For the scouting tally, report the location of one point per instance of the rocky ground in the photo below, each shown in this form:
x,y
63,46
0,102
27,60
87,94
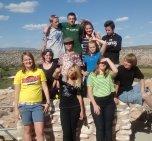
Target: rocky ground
x,y
132,122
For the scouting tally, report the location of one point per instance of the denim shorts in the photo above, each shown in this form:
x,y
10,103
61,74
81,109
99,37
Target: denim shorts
x,y
31,113
133,96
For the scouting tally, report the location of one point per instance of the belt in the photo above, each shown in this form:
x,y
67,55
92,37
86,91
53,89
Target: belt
x,y
29,103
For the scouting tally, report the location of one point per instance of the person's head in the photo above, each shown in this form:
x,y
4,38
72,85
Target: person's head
x,y
71,17
47,55
102,66
68,43
92,47
74,73
130,61
54,20
109,27
87,27
28,62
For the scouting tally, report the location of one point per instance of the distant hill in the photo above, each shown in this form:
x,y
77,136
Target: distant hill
x,y
139,47
12,56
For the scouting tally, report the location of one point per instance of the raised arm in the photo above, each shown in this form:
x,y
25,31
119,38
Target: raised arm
x,y
114,69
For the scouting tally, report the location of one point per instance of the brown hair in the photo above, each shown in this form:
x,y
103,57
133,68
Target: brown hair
x,y
107,69
45,52
27,53
84,23
131,58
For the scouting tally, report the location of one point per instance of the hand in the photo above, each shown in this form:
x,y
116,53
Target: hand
x,y
96,109
81,115
46,107
98,35
116,100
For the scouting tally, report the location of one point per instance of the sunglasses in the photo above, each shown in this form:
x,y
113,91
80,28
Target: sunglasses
x,y
103,63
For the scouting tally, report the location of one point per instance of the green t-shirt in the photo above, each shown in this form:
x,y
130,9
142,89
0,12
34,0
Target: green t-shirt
x,y
75,32
101,86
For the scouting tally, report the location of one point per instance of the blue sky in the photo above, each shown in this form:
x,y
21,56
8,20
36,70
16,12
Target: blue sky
x,y
21,21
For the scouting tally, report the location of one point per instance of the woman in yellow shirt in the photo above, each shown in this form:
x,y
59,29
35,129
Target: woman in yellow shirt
x,y
29,82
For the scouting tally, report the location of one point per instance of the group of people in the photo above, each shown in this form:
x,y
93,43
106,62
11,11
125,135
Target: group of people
x,y
77,62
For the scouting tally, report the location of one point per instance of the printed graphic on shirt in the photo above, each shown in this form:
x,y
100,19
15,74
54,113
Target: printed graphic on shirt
x,y
66,91
30,80
112,43
72,29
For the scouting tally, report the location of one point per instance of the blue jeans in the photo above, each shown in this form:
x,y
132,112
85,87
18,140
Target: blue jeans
x,y
31,113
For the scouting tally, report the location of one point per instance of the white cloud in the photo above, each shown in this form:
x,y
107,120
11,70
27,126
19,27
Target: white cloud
x,y
4,18
23,7
127,37
34,26
119,28
77,1
1,5
62,18
150,22
122,19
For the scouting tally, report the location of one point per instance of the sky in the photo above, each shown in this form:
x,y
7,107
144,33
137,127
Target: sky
x,y
22,21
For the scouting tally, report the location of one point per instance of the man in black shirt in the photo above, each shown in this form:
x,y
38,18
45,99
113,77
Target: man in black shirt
x,y
113,42
125,77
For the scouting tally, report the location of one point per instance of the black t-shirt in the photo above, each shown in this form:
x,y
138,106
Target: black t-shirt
x,y
48,73
126,77
113,47
69,95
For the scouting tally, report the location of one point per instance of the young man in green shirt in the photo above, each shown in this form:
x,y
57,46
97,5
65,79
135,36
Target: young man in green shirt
x,y
72,30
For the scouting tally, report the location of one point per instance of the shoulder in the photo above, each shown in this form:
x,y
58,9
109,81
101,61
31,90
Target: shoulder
x,y
19,73
118,36
39,70
104,37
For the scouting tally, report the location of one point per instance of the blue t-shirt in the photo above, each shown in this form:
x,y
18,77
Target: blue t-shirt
x,y
91,61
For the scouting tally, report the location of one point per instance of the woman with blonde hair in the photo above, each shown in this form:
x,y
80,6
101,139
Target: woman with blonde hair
x,y
29,82
71,104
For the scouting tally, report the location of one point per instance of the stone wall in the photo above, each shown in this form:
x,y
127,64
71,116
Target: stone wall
x,y
124,116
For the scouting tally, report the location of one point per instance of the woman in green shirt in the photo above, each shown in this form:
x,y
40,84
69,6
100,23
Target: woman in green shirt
x,y
100,89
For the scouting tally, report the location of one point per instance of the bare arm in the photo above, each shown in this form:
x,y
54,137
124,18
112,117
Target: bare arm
x,y
92,100
17,91
81,106
142,83
46,92
104,45
16,100
114,69
57,73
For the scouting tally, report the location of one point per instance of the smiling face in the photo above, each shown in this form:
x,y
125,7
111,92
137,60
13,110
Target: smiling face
x,y
102,65
48,57
55,22
71,19
72,73
109,30
92,48
68,46
127,65
88,29
27,62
